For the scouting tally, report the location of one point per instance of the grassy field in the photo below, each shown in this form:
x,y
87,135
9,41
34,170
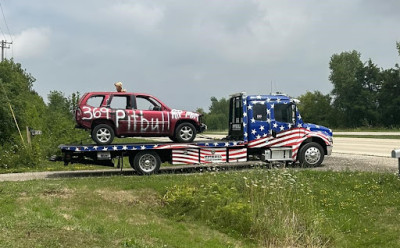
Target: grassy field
x,y
255,208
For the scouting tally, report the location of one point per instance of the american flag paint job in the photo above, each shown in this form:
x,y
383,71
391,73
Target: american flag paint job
x,y
208,155
145,146
289,134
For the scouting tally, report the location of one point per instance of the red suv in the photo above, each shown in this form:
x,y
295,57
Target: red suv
x,y
123,114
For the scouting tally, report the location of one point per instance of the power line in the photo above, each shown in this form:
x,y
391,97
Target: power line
x,y
1,30
5,22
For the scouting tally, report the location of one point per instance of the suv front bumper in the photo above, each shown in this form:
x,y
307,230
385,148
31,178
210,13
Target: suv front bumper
x,y
203,127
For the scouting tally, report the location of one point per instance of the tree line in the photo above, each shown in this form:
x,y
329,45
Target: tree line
x,y
19,100
363,95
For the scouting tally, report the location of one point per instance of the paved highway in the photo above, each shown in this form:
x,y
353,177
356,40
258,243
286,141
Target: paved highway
x,y
365,146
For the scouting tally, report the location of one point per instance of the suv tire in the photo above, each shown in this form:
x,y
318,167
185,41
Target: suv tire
x,y
185,133
103,134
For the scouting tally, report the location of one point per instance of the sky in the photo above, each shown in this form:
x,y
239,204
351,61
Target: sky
x,y
186,51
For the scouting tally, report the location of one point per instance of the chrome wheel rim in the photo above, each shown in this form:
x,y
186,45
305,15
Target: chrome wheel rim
x,y
312,155
103,135
147,163
186,133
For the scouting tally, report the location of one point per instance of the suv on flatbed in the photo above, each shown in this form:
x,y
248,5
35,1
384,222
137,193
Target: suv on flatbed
x,y
123,114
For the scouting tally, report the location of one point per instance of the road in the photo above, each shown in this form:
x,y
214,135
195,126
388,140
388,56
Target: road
x,y
365,146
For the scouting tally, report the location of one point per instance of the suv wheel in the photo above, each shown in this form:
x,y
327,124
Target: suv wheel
x,y
185,133
103,134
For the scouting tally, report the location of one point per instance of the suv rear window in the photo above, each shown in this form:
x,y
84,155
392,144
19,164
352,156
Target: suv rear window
x,y
95,101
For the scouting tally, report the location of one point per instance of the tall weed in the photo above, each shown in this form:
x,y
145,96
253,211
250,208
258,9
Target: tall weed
x,y
271,207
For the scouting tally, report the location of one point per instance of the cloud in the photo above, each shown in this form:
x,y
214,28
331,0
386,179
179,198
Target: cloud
x,y
31,43
138,15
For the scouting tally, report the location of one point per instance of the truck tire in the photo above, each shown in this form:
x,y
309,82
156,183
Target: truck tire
x,y
103,134
145,162
311,155
185,133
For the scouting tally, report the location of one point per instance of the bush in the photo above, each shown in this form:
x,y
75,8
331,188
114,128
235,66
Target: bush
x,y
20,156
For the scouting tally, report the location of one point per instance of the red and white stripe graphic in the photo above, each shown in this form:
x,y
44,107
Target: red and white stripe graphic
x,y
238,155
187,156
212,155
291,138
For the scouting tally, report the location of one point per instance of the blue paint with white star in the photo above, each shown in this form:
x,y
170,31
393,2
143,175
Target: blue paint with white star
x,y
258,124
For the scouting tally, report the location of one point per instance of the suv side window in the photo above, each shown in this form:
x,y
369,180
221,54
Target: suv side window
x,y
95,101
120,102
283,113
143,103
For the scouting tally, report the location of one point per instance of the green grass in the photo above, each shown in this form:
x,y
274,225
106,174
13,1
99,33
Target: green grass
x,y
54,166
255,208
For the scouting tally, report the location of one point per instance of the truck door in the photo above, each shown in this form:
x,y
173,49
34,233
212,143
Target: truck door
x,y
283,122
258,122
236,118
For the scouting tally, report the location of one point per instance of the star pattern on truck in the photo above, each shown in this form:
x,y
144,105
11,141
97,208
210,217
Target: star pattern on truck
x,y
260,129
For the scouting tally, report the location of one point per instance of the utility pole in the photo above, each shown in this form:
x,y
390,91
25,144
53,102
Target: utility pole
x,y
4,45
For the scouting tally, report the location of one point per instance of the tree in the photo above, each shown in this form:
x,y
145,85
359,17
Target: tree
x,y
389,97
355,87
316,108
217,118
16,90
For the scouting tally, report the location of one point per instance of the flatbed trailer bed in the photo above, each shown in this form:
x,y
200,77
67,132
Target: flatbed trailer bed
x,y
202,152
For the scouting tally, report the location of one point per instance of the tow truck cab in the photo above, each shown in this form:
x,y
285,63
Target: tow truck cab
x,y
272,127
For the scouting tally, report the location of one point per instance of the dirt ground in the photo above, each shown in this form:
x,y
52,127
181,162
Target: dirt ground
x,y
356,162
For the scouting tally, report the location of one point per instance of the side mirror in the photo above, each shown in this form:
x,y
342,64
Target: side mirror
x,y
274,133
157,108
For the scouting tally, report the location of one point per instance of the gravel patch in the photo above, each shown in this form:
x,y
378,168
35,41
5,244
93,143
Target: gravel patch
x,y
354,162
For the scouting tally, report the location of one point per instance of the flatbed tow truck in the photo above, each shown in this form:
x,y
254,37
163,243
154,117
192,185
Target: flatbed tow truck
x,y
266,128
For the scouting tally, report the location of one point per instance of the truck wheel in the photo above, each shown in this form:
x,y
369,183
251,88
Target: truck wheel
x,y
103,134
311,155
145,162
185,133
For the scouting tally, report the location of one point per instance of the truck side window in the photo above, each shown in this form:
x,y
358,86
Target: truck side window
x,y
260,112
283,113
